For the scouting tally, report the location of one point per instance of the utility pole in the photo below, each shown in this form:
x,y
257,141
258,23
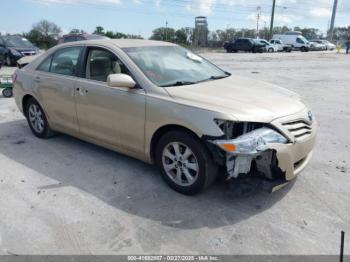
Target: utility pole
x,y
166,30
331,29
272,17
258,9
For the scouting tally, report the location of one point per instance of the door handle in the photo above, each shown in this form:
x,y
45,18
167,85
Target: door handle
x,y
37,79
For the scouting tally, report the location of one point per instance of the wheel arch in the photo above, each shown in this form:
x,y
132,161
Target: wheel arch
x,y
162,131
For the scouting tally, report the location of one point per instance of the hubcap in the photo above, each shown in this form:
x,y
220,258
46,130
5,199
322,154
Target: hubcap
x,y
180,164
36,118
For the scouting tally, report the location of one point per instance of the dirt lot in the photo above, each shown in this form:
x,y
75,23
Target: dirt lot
x,y
65,196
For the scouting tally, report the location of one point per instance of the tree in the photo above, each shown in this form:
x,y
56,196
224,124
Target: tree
x,y
181,37
77,31
99,30
43,34
164,34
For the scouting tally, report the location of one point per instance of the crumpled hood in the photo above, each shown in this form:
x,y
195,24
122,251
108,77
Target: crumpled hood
x,y
246,99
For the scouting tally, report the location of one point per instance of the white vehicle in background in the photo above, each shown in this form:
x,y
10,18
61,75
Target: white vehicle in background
x,y
281,47
328,44
270,48
296,40
315,46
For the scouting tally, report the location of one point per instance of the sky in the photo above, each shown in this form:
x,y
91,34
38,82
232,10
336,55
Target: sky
x,y
142,16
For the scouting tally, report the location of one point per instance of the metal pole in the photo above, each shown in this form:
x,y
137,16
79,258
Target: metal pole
x,y
342,246
272,17
331,30
257,21
166,31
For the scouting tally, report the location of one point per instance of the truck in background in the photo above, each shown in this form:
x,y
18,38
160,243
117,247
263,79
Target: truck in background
x,y
295,39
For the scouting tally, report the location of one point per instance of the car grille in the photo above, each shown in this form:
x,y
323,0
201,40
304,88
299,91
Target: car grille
x,y
300,129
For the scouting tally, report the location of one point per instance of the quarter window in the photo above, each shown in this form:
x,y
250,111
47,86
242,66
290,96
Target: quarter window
x,y
101,63
65,61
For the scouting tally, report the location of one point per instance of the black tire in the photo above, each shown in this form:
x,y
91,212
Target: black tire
x,y
8,61
207,169
303,49
7,92
46,132
271,50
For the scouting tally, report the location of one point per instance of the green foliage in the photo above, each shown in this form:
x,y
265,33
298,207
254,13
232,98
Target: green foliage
x,y
115,35
43,34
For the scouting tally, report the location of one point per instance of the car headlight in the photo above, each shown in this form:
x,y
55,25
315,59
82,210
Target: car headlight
x,y
253,142
15,52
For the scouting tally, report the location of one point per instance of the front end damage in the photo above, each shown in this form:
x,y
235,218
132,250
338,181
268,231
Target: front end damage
x,y
261,151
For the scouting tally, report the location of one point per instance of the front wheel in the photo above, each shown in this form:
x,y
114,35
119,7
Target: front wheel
x,y
270,50
37,119
185,163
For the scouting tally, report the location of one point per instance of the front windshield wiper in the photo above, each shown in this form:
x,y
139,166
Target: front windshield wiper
x,y
179,83
216,77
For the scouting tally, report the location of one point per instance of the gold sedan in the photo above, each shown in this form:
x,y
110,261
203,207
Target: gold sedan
x,y
163,104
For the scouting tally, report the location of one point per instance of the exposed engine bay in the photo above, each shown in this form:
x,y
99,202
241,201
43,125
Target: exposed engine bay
x,y
246,149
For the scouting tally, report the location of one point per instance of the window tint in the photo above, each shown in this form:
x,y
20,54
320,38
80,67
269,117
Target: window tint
x,y
70,39
45,66
101,63
65,61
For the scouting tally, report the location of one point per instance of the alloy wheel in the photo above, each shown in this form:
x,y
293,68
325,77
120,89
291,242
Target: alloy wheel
x,y
180,164
36,118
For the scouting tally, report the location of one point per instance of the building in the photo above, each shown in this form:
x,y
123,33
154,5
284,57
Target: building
x,y
200,35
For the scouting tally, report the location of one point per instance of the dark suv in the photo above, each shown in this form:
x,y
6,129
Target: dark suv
x,y
80,37
14,47
244,44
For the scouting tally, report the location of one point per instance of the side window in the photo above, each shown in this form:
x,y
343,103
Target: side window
x,y
300,41
65,61
45,66
101,63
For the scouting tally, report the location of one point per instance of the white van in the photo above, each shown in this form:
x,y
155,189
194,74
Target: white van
x,y
297,41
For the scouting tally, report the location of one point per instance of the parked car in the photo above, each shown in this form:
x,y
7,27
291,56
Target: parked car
x,y
297,41
80,37
281,47
163,104
270,48
14,47
314,46
244,44
328,44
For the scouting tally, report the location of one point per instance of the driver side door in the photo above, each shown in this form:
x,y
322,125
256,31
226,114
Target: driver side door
x,y
111,116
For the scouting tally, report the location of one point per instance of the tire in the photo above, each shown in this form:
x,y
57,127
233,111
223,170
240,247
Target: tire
x,y
203,170
303,49
7,92
37,120
270,50
8,61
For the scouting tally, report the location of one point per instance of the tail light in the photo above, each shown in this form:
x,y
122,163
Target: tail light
x,y
14,78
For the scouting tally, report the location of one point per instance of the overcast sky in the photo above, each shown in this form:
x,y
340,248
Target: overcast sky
x,y
141,16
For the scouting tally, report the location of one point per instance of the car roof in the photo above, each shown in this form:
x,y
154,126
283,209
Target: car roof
x,y
121,43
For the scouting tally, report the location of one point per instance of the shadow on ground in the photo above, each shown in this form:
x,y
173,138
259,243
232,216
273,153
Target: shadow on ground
x,y
128,184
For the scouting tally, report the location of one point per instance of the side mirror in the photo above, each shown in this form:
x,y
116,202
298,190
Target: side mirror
x,y
121,80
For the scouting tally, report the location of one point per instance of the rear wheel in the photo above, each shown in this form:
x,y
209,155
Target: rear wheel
x,y
185,163
37,119
7,92
270,50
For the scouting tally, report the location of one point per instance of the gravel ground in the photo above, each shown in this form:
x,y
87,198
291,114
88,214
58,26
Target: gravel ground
x,y
65,196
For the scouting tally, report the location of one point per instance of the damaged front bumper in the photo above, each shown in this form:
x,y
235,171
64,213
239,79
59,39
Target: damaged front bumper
x,y
267,153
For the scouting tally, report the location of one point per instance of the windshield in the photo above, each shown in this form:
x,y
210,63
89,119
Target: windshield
x,y
303,39
173,65
17,41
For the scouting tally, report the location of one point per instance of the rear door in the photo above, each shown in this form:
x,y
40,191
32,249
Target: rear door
x,y
113,116
55,80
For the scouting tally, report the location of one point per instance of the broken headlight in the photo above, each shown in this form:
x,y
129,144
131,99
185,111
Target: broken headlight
x,y
252,142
